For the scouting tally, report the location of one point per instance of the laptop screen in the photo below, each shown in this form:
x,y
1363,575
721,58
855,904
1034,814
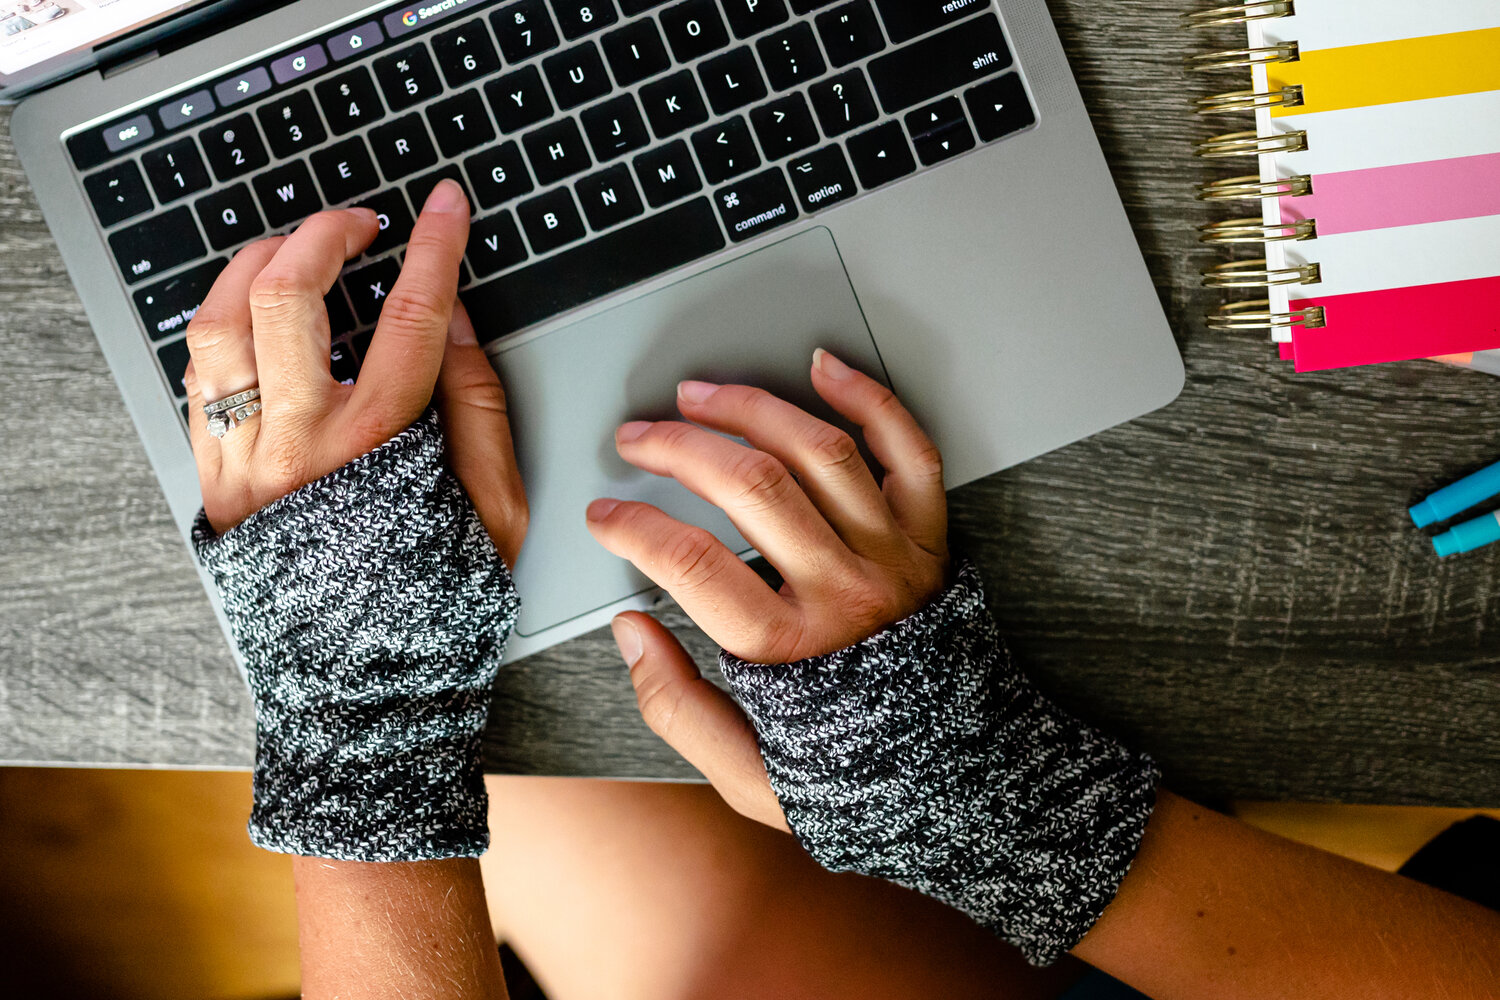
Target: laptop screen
x,y
41,40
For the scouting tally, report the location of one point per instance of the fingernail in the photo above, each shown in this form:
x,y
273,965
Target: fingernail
x,y
830,365
461,333
628,638
365,214
695,392
448,196
600,509
632,430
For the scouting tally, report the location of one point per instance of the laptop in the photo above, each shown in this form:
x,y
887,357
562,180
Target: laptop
x,y
662,189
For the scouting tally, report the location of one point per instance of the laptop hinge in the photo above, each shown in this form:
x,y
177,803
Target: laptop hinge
x,y
138,59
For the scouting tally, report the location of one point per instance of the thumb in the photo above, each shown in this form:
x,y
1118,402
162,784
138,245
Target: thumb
x,y
695,718
471,405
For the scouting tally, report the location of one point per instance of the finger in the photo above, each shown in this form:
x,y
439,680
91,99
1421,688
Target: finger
x,y
753,488
219,337
471,405
714,587
286,301
208,459
913,483
402,365
695,718
827,462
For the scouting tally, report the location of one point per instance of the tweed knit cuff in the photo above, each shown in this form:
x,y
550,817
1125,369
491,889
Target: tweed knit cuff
x,y
921,756
372,610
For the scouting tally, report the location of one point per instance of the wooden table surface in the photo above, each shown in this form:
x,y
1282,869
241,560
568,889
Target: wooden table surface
x,y
1231,581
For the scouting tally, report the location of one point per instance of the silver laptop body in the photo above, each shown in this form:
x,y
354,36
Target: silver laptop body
x,y
999,290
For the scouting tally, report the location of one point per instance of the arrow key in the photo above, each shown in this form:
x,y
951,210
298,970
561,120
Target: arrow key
x,y
939,130
186,110
881,155
999,107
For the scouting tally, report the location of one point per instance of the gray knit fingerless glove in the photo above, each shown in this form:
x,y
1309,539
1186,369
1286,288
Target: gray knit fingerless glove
x,y
372,610
922,756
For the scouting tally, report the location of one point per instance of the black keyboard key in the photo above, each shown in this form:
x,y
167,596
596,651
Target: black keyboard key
x,y
174,361
498,175
732,80
460,123
524,30
167,306
233,147
118,193
805,6
906,19
609,197
784,126
340,317
175,170
636,52
159,244
694,29
551,220
667,174
349,101
286,194
843,103
370,286
751,17
229,217
465,53
407,77
614,128
673,104
556,151
821,178
577,75
519,99
850,32
756,204
939,131
726,150
291,124
579,17
418,190
402,147
940,63
341,363
495,244
881,155
791,57
345,170
395,220
999,107
632,7
616,260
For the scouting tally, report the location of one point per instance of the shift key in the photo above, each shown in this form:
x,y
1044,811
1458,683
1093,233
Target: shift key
x,y
940,64
756,204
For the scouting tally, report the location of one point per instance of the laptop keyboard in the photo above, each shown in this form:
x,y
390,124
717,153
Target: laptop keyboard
x,y
602,143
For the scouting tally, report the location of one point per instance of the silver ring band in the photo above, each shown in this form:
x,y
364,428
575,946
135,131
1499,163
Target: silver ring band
x,y
226,414
231,402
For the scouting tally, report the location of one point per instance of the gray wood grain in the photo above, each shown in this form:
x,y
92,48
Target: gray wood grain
x,y
1230,581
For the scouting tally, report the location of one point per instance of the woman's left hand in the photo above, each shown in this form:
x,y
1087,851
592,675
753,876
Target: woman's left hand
x,y
264,323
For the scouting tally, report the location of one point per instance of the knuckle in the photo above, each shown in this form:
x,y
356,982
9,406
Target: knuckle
x,y
830,448
658,703
415,308
692,559
760,480
927,461
480,390
277,292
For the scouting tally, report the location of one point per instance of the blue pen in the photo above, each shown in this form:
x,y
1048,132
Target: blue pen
x,y
1459,497
1470,535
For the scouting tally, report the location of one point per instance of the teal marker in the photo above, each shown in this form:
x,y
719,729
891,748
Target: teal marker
x,y
1457,498
1468,536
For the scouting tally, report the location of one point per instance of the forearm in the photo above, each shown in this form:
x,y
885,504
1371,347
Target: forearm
x,y
1213,904
395,930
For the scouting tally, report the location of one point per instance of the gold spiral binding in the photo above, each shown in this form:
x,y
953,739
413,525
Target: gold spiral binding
x,y
1250,186
1236,101
1229,58
1257,274
1253,10
1256,314
1251,144
1256,231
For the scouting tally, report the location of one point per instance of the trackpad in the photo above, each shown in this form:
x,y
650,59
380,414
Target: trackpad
x,y
754,320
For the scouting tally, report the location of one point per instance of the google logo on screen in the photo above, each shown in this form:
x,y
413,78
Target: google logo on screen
x,y
409,19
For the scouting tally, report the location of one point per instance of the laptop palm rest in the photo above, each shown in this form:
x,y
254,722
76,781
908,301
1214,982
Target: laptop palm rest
x,y
753,320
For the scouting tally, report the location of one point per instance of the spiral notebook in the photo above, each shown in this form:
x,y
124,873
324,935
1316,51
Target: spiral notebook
x,y
1378,140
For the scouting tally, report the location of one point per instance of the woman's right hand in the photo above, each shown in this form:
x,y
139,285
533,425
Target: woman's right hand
x,y
856,555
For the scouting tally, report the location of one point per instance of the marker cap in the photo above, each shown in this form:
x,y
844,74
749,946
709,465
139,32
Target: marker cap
x,y
1457,497
1468,536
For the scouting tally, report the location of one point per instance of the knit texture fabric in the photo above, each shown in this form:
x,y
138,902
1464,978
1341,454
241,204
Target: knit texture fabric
x,y
922,756
372,610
